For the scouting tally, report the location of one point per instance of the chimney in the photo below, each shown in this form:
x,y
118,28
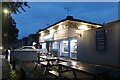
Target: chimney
x,y
69,17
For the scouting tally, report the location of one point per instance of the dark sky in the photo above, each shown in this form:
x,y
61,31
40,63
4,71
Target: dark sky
x,y
42,13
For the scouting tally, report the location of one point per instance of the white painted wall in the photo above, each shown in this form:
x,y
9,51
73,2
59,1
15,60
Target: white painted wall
x,y
62,34
87,50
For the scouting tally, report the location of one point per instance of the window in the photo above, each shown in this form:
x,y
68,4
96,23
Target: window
x,y
73,46
65,46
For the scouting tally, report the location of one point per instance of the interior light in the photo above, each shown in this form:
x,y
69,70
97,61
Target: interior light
x,y
74,40
65,41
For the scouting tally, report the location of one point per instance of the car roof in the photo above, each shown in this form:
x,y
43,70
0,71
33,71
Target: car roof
x,y
28,46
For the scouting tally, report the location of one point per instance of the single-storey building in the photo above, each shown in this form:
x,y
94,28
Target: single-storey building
x,y
62,36
86,41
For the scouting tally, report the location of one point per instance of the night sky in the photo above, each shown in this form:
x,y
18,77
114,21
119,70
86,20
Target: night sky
x,y
42,14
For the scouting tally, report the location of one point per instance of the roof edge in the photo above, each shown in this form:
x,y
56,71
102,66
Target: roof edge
x,y
71,19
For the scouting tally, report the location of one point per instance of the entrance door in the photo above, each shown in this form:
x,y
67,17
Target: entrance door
x,y
64,48
73,48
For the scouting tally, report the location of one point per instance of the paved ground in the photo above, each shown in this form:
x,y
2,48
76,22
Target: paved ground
x,y
68,75
4,68
8,74
0,67
15,74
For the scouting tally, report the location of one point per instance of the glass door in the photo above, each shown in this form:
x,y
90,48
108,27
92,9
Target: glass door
x,y
73,48
64,48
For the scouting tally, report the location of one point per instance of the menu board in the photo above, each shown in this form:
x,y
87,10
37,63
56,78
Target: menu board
x,y
101,40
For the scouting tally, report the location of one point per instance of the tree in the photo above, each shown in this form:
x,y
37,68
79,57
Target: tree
x,y
9,30
13,7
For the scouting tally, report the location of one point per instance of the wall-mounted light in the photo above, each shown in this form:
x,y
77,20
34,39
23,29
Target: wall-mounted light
x,y
1,48
6,11
79,32
52,31
60,27
82,28
42,33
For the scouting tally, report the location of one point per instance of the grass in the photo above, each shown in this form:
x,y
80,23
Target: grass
x,y
14,74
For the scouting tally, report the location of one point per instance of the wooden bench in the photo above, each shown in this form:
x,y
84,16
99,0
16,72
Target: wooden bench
x,y
55,73
37,63
47,66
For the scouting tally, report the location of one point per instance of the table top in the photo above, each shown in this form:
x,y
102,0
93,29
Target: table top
x,y
49,58
60,58
88,68
64,59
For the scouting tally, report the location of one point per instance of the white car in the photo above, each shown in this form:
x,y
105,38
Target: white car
x,y
27,48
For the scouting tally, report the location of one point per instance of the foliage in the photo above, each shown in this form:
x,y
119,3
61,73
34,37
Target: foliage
x,y
9,29
14,75
13,7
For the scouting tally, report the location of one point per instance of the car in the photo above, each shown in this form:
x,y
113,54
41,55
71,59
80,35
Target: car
x,y
26,48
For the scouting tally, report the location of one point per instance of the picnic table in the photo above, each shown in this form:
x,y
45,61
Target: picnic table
x,y
93,70
65,65
48,62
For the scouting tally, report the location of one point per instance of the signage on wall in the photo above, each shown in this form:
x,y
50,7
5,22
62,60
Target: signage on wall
x,y
101,40
49,37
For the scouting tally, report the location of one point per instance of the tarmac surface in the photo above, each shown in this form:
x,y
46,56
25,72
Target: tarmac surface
x,y
4,68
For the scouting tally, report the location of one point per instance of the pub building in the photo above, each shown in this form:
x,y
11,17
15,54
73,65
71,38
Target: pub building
x,y
63,36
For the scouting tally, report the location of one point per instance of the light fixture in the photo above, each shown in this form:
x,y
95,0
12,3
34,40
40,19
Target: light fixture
x,y
6,11
1,48
80,32
60,27
83,27
42,33
52,31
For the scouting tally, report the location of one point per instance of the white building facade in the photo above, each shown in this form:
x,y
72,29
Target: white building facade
x,y
63,36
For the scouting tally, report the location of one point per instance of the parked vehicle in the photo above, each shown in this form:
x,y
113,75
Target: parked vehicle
x,y
27,48
27,53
